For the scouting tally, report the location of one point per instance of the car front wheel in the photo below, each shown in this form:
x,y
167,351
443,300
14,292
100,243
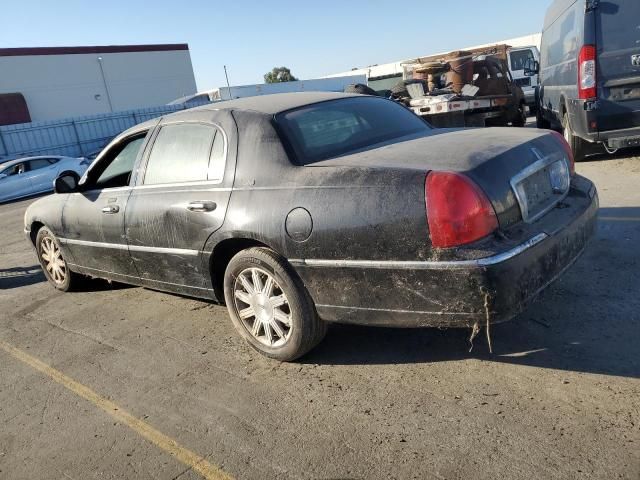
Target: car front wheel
x,y
53,264
269,305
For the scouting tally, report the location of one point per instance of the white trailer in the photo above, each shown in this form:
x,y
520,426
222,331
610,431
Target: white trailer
x,y
334,84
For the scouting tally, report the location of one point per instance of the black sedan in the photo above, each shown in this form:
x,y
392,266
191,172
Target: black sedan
x,y
301,209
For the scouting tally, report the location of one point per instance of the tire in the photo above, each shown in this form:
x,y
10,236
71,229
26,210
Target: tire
x,y
520,119
400,89
259,317
541,122
577,144
53,265
70,172
360,89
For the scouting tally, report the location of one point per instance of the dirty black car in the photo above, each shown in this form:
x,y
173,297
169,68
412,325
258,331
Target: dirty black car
x,y
297,210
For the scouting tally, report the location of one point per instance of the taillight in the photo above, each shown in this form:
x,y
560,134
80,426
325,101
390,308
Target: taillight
x,y
458,212
587,73
567,150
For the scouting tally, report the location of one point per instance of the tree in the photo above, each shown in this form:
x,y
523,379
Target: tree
x,y
277,75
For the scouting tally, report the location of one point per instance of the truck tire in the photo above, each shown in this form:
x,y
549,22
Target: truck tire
x,y
520,119
360,89
400,89
577,144
540,120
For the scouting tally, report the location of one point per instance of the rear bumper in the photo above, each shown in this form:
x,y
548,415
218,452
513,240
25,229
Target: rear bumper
x,y
453,293
628,137
581,118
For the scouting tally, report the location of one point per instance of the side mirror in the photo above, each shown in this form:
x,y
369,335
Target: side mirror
x,y
531,68
67,183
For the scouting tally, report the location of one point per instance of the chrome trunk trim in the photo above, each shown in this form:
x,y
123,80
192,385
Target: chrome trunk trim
x,y
423,265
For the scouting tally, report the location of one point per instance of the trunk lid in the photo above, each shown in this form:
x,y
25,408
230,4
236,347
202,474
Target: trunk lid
x,y
618,47
498,160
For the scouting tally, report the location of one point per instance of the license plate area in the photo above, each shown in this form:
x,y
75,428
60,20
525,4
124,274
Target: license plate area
x,y
541,186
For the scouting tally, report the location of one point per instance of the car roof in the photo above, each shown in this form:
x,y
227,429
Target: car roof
x,y
25,159
275,103
266,104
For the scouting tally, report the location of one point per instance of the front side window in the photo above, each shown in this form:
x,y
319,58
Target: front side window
x,y
182,153
339,127
17,169
116,166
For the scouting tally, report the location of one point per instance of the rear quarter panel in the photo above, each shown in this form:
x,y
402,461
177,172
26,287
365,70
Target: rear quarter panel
x,y
356,213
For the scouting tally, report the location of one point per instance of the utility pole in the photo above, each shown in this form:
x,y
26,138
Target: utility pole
x,y
104,81
227,77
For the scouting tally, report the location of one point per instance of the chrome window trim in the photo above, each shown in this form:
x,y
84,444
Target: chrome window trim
x,y
542,162
424,265
131,248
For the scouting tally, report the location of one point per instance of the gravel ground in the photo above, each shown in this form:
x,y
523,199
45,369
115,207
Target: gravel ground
x,y
559,398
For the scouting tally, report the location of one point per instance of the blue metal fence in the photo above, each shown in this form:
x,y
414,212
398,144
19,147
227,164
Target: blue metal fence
x,y
74,137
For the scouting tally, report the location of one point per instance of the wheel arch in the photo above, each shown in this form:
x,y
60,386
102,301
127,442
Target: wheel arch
x,y
222,254
35,227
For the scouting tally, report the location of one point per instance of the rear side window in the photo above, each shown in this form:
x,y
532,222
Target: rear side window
x,y
338,127
182,153
39,163
619,26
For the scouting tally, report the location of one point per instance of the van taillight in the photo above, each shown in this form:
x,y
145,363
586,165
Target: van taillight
x,y
587,73
458,212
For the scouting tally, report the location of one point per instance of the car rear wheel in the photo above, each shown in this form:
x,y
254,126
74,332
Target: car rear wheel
x,y
53,264
578,145
269,305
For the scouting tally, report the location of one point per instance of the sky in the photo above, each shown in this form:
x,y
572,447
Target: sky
x,y
313,38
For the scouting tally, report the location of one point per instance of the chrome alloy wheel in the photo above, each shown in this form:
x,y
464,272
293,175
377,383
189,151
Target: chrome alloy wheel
x,y
263,307
53,261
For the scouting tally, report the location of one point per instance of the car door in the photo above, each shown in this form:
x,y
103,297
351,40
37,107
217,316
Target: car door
x,y
180,200
41,173
15,182
93,218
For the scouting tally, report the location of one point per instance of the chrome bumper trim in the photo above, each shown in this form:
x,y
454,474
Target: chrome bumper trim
x,y
424,265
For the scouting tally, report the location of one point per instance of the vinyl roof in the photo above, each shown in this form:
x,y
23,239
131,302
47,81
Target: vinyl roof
x,y
275,103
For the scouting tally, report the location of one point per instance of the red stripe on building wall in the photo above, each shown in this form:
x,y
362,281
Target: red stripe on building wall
x,y
19,52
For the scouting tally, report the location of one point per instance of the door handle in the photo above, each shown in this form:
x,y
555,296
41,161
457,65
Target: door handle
x,y
201,206
111,209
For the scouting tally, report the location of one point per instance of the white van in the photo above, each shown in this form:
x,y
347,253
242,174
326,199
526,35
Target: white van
x,y
519,58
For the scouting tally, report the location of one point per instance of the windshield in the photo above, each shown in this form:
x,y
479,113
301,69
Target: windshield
x,y
520,59
338,127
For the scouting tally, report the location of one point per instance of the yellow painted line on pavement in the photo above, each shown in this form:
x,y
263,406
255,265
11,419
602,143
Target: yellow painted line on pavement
x,y
159,439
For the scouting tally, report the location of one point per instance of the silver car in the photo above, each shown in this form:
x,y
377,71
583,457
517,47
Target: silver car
x,y
32,175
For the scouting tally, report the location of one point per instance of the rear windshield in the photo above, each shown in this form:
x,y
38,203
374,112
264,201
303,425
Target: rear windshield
x,y
338,127
619,25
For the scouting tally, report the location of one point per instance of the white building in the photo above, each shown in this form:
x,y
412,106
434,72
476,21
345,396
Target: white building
x,y
62,82
384,76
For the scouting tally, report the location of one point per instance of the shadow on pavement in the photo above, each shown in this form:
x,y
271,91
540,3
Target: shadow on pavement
x,y
17,277
588,321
